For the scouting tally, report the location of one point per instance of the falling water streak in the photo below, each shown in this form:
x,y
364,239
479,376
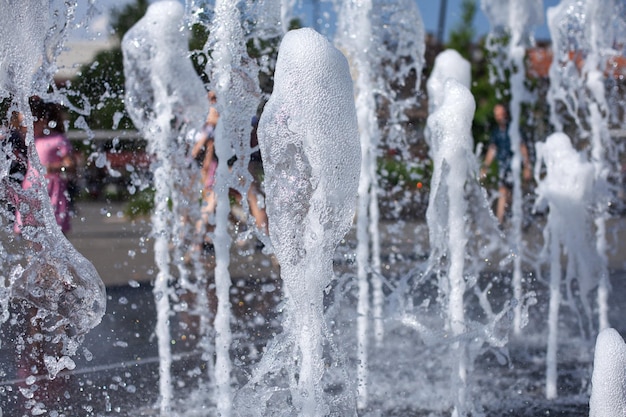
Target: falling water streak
x,y
223,241
516,19
395,53
378,296
205,313
378,64
362,255
355,18
365,99
234,79
286,11
226,16
553,309
162,219
567,188
600,142
200,288
162,285
600,136
516,55
164,99
27,67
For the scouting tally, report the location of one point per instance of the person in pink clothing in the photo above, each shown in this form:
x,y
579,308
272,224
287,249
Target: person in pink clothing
x,y
55,153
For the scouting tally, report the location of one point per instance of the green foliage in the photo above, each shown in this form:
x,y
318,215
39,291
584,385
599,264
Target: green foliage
x,y
125,18
393,172
461,37
496,48
140,204
199,57
485,95
99,86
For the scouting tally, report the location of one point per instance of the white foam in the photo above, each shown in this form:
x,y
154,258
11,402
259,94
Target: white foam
x,y
608,383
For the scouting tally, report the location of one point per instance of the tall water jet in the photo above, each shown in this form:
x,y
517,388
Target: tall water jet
x,y
355,25
451,141
58,292
567,190
514,21
586,36
165,99
400,40
234,78
309,141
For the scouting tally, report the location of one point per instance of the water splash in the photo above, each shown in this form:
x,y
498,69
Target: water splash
x,y
235,80
584,45
397,42
513,21
567,189
165,99
61,293
62,282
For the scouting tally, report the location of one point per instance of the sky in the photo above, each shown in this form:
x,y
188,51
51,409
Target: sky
x,y
429,10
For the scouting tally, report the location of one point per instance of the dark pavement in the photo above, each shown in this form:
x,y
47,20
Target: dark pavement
x,y
117,365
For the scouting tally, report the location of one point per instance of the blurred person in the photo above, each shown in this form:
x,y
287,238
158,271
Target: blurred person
x,y
204,151
55,154
41,336
500,150
14,145
255,166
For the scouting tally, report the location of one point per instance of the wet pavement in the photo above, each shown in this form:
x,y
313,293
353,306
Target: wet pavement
x,y
117,370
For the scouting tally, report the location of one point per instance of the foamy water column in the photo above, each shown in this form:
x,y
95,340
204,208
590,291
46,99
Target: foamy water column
x,y
586,35
448,64
608,383
449,127
567,190
164,97
310,145
59,282
514,19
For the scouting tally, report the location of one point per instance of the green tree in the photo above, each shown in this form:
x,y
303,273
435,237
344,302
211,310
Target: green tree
x,y
125,18
462,38
99,86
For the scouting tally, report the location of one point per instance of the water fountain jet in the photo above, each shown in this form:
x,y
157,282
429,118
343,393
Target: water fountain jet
x,y
309,141
164,103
